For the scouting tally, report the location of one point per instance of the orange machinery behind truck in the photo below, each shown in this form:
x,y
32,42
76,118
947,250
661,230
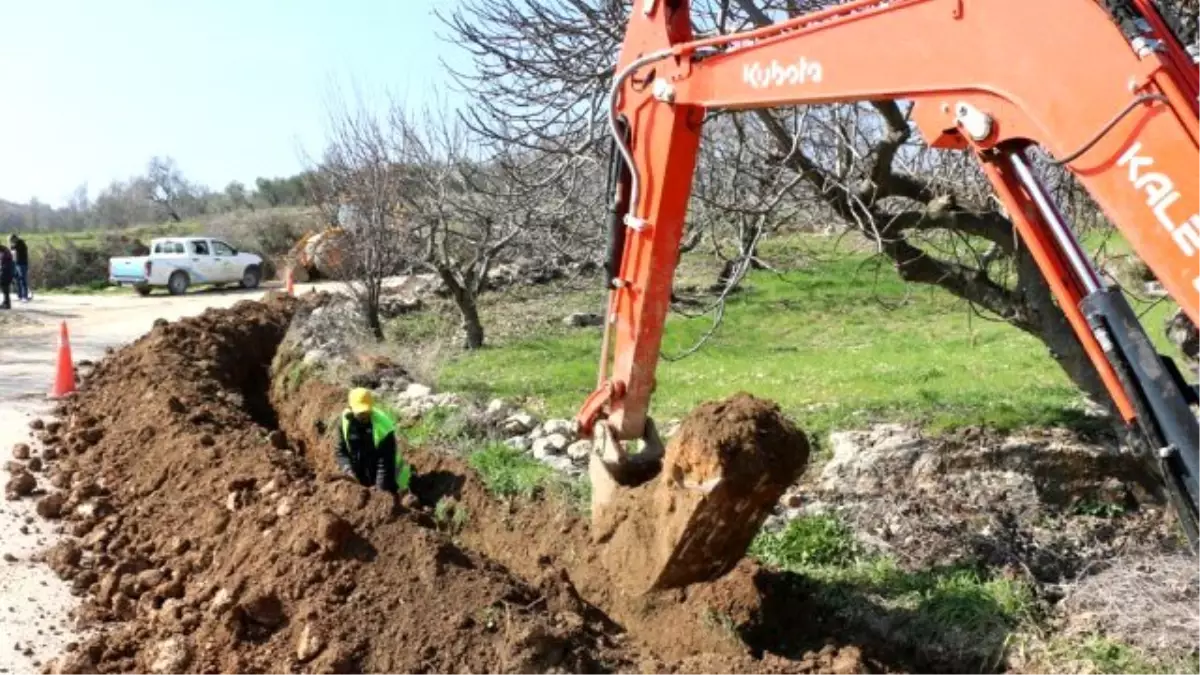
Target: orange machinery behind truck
x,y
992,77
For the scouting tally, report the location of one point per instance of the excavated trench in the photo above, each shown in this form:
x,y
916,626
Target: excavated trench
x,y
211,535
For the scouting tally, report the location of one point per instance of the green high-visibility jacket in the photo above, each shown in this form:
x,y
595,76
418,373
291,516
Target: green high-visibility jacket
x,y
382,427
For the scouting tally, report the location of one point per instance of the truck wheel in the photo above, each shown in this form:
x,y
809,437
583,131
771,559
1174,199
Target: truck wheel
x,y
142,289
178,283
250,277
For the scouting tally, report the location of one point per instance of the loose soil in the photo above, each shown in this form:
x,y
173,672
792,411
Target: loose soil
x,y
722,475
210,536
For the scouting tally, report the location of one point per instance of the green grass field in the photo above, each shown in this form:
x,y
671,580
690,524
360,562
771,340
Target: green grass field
x,y
837,344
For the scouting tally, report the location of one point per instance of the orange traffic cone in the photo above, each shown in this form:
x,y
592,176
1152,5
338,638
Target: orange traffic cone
x,y
64,378
288,282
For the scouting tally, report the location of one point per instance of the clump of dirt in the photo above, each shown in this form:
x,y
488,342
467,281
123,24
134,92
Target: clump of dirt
x,y
202,545
722,474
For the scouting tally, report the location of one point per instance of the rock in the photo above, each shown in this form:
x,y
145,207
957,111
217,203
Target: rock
x,y
221,601
91,435
171,656
20,451
278,440
263,608
549,446
558,426
580,451
149,579
20,485
1184,334
792,500
65,556
35,464
314,356
49,453
10,558
175,405
521,443
232,501
497,407
583,320
310,643
333,531
51,506
519,423
867,462
14,467
671,428
37,424
79,661
561,464
284,508
416,390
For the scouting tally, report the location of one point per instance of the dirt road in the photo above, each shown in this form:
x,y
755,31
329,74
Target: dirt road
x,y
33,601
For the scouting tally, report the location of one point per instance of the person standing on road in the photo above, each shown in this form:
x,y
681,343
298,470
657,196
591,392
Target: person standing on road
x,y
367,448
7,269
21,256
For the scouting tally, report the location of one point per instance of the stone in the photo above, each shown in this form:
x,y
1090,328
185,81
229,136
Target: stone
x,y
561,464
416,390
583,320
314,356
20,485
521,443
35,464
559,426
20,451
51,506
310,643
284,508
277,439
865,462
496,407
519,423
171,656
580,451
549,446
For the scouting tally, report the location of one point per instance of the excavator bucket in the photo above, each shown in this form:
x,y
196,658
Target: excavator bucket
x,y
674,516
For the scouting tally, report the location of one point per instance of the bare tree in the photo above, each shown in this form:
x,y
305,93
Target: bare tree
x,y
167,188
426,193
469,204
359,183
542,72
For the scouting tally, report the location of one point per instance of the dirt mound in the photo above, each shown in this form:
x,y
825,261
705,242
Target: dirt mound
x,y
205,543
209,535
722,474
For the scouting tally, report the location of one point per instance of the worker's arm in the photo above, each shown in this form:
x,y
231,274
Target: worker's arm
x,y
385,471
341,453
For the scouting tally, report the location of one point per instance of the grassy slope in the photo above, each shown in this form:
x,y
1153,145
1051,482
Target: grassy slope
x,y
837,343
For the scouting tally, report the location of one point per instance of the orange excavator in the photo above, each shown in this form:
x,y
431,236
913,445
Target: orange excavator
x,y
990,77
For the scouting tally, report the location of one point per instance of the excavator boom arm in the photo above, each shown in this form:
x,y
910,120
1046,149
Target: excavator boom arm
x,y
989,76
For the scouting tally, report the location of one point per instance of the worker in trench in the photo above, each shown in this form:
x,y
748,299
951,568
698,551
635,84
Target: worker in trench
x,y
367,449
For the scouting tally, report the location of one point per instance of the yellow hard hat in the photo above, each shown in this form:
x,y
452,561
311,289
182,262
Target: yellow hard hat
x,y
360,400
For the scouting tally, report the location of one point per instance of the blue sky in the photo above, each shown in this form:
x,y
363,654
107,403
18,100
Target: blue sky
x,y
91,89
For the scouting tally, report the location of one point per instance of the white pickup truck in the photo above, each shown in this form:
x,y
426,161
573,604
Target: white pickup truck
x,y
175,263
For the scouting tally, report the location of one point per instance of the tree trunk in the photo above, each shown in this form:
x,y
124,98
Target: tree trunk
x,y
472,325
465,299
371,307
